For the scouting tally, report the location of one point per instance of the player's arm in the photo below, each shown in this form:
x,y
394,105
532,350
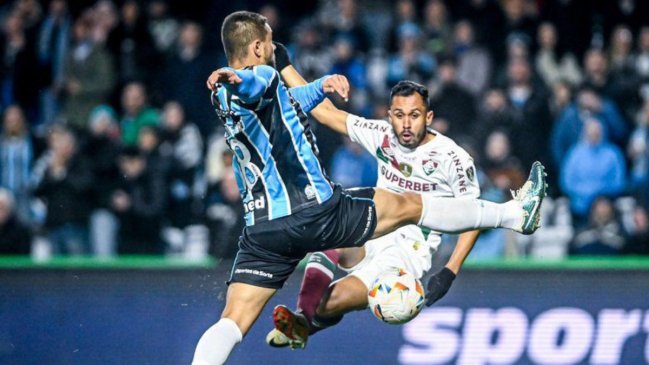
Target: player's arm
x,y
248,84
326,112
439,284
464,184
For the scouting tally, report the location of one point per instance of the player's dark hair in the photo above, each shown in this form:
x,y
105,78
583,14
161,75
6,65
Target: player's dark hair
x,y
407,88
239,30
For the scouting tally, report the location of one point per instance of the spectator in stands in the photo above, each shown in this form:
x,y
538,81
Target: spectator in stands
x,y
452,101
104,20
532,119
148,142
102,148
347,63
405,13
596,71
520,20
638,152
638,240
139,201
503,169
181,143
87,75
137,113
553,63
624,79
352,166
276,22
344,20
561,98
619,55
437,28
619,85
224,210
53,37
162,26
494,113
132,46
592,168
185,69
31,13
18,69
63,180
568,128
642,61
311,58
16,158
473,62
410,62
15,237
604,234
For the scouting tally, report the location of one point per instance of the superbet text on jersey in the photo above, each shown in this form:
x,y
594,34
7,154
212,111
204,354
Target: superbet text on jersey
x,y
439,167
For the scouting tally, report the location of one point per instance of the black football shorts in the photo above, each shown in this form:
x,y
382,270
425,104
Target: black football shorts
x,y
269,251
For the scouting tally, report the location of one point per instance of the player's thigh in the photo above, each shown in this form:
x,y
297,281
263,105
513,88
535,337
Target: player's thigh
x,y
244,302
394,210
346,295
350,256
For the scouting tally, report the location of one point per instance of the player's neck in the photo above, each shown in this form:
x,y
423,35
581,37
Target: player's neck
x,y
243,63
430,135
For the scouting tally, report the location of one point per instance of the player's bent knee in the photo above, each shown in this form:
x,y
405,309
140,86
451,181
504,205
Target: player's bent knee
x,y
345,296
244,302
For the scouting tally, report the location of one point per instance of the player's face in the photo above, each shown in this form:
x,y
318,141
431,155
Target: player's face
x,y
410,116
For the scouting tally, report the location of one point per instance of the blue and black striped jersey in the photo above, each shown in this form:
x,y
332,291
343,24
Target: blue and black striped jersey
x,y
276,160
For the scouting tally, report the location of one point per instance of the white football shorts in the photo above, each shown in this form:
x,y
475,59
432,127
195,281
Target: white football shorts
x,y
404,248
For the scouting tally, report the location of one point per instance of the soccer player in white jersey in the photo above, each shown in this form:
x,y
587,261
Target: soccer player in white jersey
x,y
411,157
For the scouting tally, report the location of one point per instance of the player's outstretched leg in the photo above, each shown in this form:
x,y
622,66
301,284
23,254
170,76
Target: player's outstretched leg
x,y
451,215
243,304
318,274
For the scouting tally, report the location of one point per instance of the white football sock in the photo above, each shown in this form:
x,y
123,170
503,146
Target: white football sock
x,y
449,215
217,342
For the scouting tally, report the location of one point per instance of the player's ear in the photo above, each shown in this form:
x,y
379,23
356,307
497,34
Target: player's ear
x,y
429,118
258,48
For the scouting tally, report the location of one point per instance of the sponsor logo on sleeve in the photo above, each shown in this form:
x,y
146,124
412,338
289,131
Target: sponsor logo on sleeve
x,y
470,173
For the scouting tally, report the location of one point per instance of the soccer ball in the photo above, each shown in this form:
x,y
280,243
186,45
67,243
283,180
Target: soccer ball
x,y
396,298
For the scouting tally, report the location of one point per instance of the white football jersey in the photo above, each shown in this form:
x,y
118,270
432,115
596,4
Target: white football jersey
x,y
439,167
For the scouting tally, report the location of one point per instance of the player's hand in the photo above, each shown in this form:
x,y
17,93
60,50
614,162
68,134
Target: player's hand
x,y
337,84
222,76
282,60
438,285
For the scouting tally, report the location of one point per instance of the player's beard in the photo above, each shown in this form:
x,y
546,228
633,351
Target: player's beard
x,y
414,141
271,61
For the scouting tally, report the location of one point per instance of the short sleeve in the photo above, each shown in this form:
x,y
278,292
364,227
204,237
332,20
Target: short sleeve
x,y
369,133
462,176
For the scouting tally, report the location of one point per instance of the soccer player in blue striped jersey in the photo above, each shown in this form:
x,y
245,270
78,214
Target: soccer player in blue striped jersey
x,y
292,208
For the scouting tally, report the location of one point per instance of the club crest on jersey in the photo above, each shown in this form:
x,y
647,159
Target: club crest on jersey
x,y
429,166
386,154
309,191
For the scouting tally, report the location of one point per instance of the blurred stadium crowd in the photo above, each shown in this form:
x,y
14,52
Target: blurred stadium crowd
x,y
109,145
